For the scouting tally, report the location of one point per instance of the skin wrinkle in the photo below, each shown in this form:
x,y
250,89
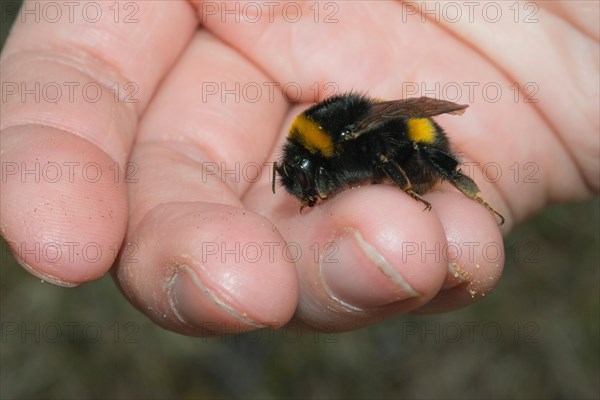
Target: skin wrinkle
x,y
484,56
71,57
108,36
249,60
80,56
205,153
567,18
69,63
543,115
140,220
215,153
130,113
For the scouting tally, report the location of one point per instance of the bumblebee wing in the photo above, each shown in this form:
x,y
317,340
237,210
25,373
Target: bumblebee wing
x,y
418,107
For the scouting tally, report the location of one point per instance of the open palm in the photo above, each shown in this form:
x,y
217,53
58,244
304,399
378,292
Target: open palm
x,y
185,193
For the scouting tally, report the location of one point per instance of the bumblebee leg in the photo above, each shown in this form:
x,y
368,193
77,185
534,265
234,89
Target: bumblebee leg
x,y
470,189
447,166
397,174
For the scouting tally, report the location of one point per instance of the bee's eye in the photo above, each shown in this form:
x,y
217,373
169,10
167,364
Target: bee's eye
x,y
303,173
302,178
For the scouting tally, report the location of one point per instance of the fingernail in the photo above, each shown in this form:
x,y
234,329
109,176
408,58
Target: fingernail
x,y
45,277
360,276
456,276
196,305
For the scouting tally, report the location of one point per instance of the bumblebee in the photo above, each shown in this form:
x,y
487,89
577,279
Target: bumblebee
x,y
350,139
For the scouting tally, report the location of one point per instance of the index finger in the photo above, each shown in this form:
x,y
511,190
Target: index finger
x,y
75,78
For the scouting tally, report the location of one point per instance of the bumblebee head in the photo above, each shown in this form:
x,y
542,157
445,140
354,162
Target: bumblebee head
x,y
298,178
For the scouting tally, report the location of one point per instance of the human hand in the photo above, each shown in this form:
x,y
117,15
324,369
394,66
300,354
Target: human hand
x,y
203,252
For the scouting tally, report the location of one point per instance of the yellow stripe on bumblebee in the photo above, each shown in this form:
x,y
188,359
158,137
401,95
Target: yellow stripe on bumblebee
x,y
421,130
311,136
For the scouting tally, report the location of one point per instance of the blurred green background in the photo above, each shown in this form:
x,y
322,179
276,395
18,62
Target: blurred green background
x,y
535,336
